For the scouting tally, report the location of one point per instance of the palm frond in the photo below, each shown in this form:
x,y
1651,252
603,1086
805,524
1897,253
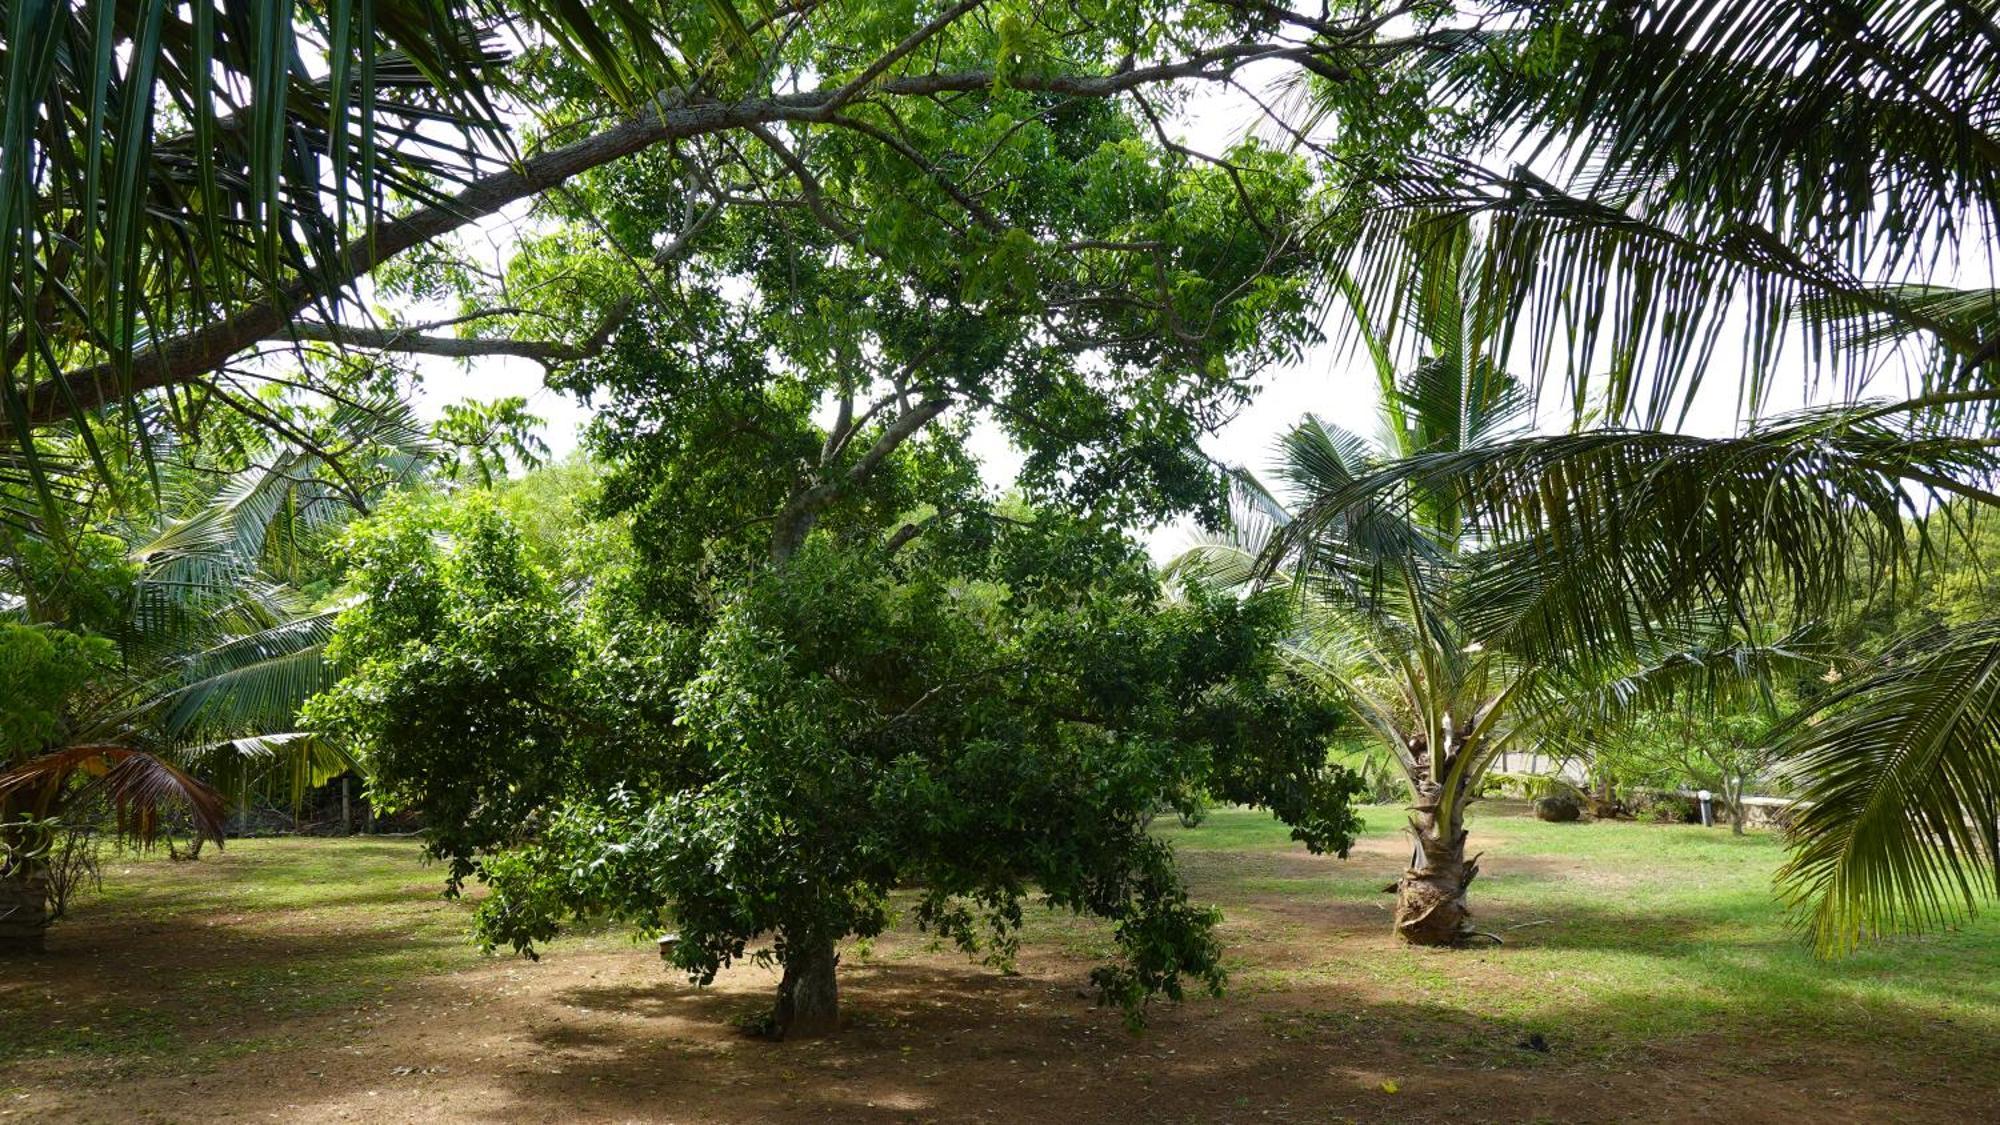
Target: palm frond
x,y
1339,534
1691,161
1899,775
137,784
164,163
1573,706
1597,538
255,682
287,764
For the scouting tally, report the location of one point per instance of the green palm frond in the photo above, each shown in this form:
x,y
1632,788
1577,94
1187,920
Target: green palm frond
x,y
1601,537
1220,562
1899,776
286,764
217,652
1798,115
163,163
1575,704
255,682
234,524
1376,555
1680,164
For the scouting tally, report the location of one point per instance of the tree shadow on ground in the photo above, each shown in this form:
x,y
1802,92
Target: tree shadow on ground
x,y
935,1043
396,1018
110,986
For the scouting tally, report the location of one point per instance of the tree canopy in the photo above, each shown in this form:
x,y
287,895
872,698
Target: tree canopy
x,y
794,255
987,718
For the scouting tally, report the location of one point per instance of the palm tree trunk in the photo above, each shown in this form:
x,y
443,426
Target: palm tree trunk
x,y
809,993
1603,799
1430,897
24,912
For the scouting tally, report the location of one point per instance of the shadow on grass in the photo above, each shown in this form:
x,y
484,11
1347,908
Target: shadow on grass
x,y
116,986
1650,1010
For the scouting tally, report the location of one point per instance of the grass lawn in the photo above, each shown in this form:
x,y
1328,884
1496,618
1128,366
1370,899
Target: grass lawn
x,y
316,979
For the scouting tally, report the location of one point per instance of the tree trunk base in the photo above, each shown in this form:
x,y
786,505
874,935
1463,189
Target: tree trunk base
x,y
1430,897
1431,910
24,916
809,994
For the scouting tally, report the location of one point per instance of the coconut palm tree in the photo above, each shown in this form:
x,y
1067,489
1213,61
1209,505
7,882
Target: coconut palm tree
x,y
1466,586
169,672
1593,546
1792,175
1383,625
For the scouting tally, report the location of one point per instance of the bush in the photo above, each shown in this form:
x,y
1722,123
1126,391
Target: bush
x,y
1527,786
74,867
1671,808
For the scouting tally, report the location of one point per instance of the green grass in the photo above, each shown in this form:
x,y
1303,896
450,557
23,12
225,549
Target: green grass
x,y
1619,937
1622,941
266,930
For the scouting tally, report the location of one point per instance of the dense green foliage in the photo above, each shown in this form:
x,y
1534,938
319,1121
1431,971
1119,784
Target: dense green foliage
x,y
41,669
812,656
157,648
990,723
796,256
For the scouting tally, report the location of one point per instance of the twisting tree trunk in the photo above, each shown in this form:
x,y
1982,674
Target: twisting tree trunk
x,y
1732,795
1430,897
24,911
809,993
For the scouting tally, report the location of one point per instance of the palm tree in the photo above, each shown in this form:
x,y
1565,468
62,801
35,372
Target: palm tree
x,y
1384,620
1465,587
172,676
1821,175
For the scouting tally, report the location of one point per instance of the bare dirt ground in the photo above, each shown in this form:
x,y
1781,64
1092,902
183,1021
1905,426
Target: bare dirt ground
x,y
599,1031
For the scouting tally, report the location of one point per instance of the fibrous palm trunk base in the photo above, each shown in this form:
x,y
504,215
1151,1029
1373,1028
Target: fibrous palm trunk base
x,y
1430,897
809,993
24,913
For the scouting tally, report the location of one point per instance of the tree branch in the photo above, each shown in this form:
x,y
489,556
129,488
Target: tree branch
x,y
546,352
410,340
200,351
796,521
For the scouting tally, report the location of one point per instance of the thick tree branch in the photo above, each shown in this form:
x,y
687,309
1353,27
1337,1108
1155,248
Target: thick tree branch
x,y
895,434
900,51
796,521
460,347
200,351
414,340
